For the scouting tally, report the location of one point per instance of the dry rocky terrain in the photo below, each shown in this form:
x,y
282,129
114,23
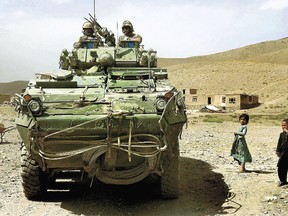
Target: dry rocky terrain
x,y
209,181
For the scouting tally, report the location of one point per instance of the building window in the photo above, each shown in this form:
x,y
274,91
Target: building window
x,y
193,91
194,99
250,99
184,91
232,100
223,99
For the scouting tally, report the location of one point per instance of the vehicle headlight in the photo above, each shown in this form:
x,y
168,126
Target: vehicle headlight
x,y
35,106
160,104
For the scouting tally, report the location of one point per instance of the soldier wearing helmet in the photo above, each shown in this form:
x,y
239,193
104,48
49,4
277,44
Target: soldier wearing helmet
x,y
129,34
87,29
89,38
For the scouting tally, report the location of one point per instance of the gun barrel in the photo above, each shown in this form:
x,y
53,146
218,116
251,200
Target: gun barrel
x,y
87,20
93,20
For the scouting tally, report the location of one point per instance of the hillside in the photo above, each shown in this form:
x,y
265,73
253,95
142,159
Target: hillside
x,y
260,69
12,87
275,51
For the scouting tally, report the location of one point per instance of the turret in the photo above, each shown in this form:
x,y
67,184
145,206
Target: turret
x,y
128,55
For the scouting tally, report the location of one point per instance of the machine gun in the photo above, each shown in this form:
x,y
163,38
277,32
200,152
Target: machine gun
x,y
102,31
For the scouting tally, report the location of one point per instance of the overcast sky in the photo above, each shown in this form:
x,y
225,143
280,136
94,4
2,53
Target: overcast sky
x,y
33,32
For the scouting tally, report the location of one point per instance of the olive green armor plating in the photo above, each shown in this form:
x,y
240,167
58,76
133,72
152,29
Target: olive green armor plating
x,y
109,112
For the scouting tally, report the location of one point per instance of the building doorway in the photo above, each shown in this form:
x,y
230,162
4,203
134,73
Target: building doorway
x,y
209,100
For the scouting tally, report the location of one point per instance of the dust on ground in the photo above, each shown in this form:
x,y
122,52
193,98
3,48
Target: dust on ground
x,y
209,181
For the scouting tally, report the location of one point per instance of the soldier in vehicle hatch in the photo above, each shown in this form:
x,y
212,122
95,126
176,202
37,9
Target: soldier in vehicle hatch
x,y
89,39
129,34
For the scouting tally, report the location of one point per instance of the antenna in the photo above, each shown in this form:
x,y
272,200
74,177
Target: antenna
x,y
117,33
94,10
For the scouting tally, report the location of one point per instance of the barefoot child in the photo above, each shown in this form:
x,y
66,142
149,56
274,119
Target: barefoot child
x,y
240,151
282,153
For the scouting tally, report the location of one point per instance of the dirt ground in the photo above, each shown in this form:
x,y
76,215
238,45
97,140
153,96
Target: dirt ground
x,y
209,181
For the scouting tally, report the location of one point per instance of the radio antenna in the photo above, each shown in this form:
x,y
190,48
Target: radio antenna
x,y
94,10
117,33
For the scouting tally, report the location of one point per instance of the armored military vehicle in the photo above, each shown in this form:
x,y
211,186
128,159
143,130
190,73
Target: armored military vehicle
x,y
110,113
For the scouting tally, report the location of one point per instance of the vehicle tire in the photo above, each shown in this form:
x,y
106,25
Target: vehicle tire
x,y
33,179
169,182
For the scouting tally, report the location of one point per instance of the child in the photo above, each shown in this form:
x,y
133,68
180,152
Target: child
x,y
240,151
282,153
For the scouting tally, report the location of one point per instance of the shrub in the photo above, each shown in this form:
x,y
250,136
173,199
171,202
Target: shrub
x,y
214,119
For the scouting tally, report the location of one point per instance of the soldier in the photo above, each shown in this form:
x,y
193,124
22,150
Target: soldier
x,y
129,34
89,39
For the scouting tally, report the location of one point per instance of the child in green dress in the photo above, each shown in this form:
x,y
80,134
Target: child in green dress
x,y
240,151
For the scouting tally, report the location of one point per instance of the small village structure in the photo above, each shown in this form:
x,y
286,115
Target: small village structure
x,y
226,101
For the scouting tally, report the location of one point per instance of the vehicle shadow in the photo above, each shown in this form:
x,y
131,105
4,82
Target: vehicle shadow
x,y
202,192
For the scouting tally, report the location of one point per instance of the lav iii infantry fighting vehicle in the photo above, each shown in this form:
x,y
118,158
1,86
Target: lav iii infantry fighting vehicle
x,y
109,113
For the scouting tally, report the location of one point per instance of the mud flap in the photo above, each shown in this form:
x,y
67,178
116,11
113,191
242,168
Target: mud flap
x,y
171,123
173,117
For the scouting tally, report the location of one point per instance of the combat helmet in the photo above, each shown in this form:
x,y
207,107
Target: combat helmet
x,y
87,29
87,25
127,23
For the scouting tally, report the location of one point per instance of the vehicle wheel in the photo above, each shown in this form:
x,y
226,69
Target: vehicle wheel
x,y
33,179
170,177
